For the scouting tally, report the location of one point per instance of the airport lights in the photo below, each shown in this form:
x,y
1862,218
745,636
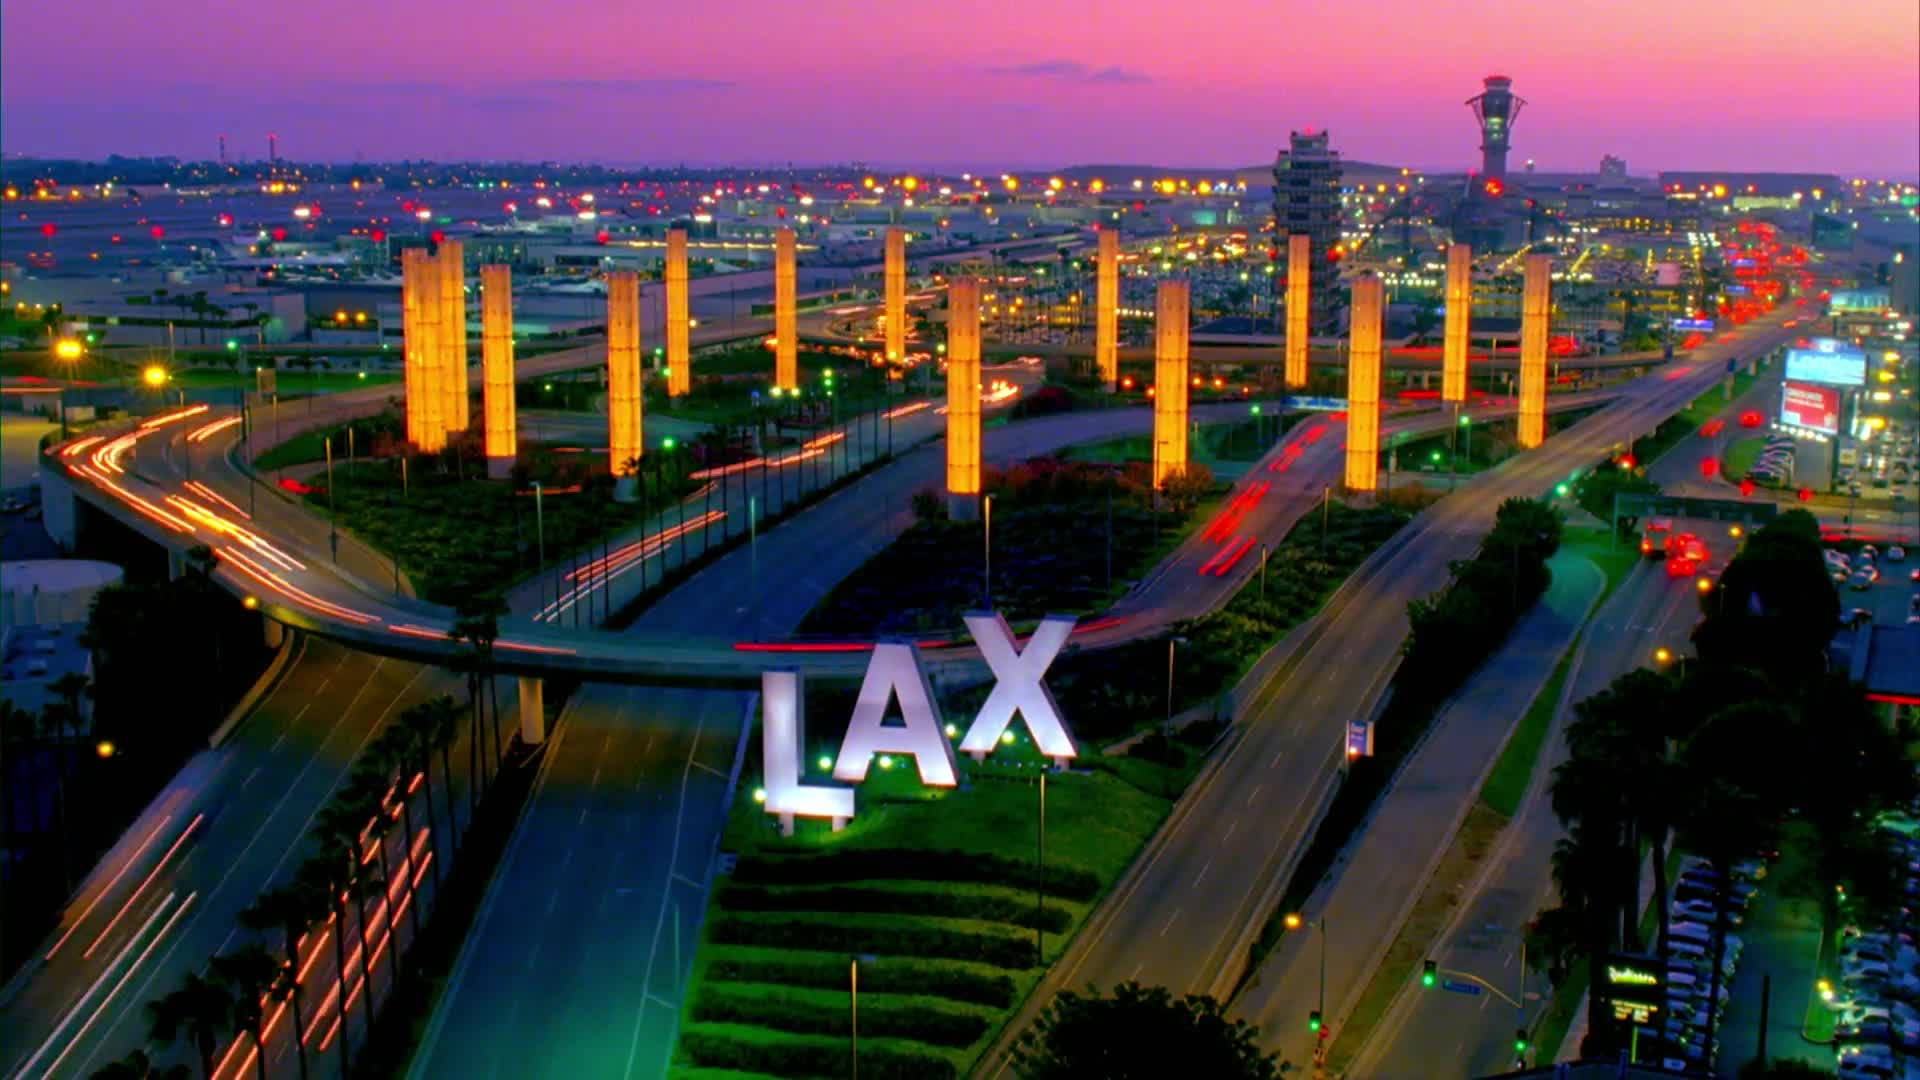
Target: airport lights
x,y
154,376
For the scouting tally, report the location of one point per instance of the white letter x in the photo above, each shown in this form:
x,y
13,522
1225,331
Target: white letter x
x,y
1019,685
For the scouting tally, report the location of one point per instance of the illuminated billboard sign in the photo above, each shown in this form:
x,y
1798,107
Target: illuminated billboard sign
x,y
1703,326
1826,361
1858,300
1816,408
1634,988
895,673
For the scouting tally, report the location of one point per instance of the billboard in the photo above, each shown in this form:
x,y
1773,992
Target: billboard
x,y
1816,408
1834,363
1703,326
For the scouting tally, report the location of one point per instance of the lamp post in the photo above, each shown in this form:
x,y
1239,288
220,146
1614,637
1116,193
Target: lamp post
x,y
853,1014
333,528
1294,922
1167,730
986,521
1040,880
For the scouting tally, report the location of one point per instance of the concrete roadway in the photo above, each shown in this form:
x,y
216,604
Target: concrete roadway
x,y
1378,880
1443,1034
166,899
647,768
1184,916
1439,1034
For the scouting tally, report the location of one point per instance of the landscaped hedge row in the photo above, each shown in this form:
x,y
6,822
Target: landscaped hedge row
x,y
880,976
719,1005
1013,953
781,1058
943,904
892,864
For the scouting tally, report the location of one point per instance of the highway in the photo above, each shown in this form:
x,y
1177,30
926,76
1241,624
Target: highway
x,y
229,825
1447,1035
1187,911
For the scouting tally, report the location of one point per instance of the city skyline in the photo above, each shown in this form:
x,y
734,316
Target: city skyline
x,y
1011,90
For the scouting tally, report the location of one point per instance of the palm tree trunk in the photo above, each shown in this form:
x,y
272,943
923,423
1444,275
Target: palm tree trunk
x,y
433,825
493,698
406,815
1630,902
260,1051
293,998
366,956
386,897
1720,896
1665,925
340,976
446,793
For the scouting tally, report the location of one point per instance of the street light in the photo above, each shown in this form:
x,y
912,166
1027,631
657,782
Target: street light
x,y
1171,642
154,376
986,520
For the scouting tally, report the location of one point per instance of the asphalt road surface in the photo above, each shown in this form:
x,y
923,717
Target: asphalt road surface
x,y
231,824
1185,914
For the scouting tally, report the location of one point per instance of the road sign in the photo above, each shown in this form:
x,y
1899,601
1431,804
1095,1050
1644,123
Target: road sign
x,y
1313,404
1459,987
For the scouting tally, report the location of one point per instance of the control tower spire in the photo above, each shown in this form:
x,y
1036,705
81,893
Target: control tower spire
x,y
1496,108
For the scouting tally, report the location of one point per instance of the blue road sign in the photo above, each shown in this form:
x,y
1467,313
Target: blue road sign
x,y
1459,987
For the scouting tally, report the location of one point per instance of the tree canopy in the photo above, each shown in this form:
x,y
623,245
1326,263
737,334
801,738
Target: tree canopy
x,y
1140,1032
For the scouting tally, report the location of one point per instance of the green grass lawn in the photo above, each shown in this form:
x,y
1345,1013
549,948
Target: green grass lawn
x,y
1050,555
1219,443
937,894
459,535
292,382
939,888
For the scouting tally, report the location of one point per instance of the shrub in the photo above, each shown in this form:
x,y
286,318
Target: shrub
x,y
793,1058
985,907
908,864
921,1023
882,976
999,950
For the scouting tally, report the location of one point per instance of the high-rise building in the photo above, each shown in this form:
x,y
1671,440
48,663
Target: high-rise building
x,y
1306,201
1613,168
1496,108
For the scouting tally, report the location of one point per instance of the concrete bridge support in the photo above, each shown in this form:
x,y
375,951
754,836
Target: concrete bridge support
x,y
533,710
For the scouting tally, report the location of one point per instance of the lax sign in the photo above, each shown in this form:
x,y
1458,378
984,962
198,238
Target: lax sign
x,y
895,673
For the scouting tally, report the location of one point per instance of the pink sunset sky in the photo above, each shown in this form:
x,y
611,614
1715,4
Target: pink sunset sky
x,y
1763,84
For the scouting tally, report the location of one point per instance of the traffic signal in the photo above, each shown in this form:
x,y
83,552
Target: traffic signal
x,y
1429,973
1519,1040
1313,1020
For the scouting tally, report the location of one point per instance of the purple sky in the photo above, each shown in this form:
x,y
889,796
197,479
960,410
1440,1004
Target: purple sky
x,y
1763,84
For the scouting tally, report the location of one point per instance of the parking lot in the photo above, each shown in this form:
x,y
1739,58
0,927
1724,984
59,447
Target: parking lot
x,y
1877,584
1875,1000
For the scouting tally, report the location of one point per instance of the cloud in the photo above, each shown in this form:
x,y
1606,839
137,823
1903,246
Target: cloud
x,y
1071,71
628,86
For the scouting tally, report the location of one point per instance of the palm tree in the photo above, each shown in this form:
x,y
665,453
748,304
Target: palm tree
x,y
477,623
371,783
413,738
396,752
444,729
292,911
323,877
199,1009
340,826
138,1066
252,975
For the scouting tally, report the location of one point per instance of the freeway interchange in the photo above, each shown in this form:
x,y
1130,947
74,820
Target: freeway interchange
x,y
633,758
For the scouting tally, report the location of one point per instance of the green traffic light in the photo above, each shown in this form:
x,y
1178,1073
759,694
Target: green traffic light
x,y
1256,410
1313,1022
1465,420
667,443
232,345
1560,490
1429,973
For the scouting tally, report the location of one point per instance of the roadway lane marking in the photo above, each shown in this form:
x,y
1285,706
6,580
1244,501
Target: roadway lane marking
x,y
108,887
1202,874
131,968
1170,919
673,862
709,768
151,874
1276,758
1231,825
553,901
685,880
102,977
583,816
234,866
249,778
1254,794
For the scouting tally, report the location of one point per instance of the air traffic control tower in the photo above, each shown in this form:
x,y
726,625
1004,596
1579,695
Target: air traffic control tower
x,y
1496,107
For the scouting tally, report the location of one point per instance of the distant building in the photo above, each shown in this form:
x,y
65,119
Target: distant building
x,y
1903,287
34,658
1306,199
1613,168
